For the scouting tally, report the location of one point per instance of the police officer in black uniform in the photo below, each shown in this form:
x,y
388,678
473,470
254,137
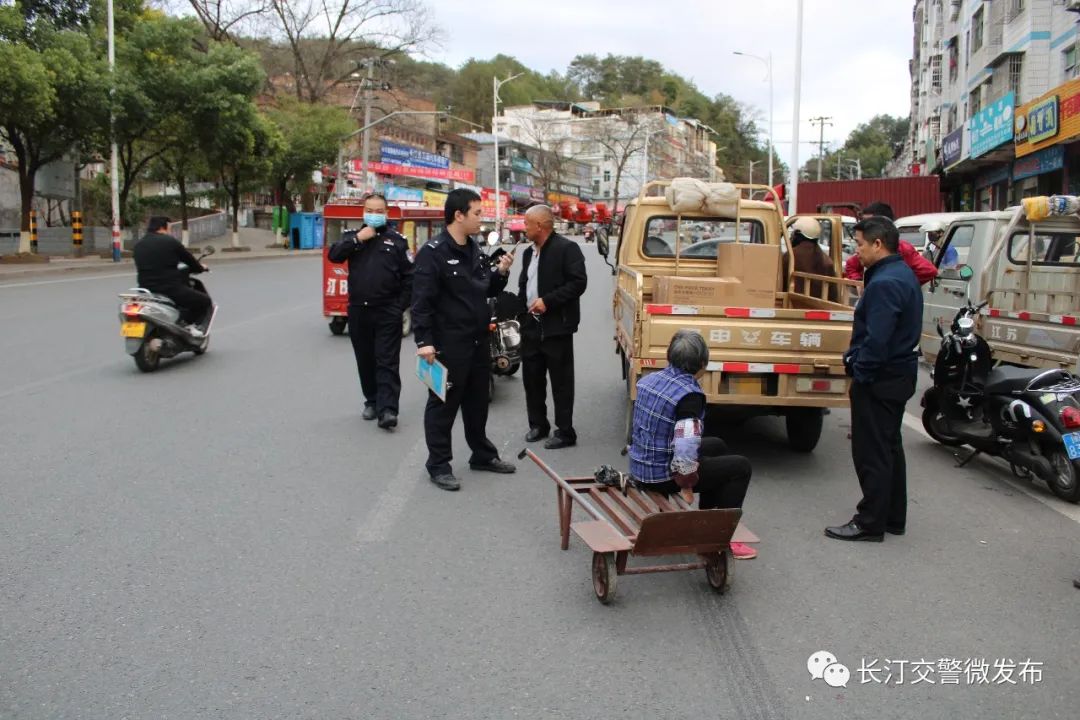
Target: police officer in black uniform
x,y
450,319
380,289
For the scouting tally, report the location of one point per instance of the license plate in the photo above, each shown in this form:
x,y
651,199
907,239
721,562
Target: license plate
x,y
133,329
1072,445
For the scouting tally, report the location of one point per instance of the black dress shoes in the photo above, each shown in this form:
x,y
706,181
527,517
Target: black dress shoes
x,y
895,529
369,412
446,481
496,466
559,442
536,434
388,420
853,531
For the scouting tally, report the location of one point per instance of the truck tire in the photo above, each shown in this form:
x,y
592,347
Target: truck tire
x,y
804,428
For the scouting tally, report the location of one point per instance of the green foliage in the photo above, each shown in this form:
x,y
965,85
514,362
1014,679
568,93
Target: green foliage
x,y
311,134
873,144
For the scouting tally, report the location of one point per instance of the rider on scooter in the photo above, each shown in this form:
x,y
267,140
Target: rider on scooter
x,y
157,256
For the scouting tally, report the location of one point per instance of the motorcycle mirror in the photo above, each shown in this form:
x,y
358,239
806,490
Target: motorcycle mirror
x,y
493,238
602,246
209,250
965,272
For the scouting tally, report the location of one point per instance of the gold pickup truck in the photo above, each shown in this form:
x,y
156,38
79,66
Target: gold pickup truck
x,y
777,356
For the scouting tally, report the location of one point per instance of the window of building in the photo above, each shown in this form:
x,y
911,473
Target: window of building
x,y
1015,8
595,187
607,176
935,73
1071,65
977,31
1016,71
954,59
975,102
934,128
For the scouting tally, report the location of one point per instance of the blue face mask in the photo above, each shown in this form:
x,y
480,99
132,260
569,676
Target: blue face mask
x,y
375,220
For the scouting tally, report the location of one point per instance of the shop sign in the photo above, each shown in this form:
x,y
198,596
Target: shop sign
x,y
413,171
395,154
522,164
952,147
395,193
1049,119
992,126
993,177
434,199
1044,161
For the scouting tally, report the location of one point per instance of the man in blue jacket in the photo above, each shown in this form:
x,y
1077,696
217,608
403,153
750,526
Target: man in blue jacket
x,y
883,363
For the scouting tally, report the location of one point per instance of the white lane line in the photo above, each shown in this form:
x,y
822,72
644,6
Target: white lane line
x,y
394,498
1060,506
83,278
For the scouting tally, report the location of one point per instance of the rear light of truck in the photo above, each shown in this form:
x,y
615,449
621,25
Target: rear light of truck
x,y
816,385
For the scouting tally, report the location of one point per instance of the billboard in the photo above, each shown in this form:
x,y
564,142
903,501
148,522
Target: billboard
x,y
992,126
395,154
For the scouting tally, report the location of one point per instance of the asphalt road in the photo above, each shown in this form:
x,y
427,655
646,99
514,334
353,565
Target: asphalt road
x,y
226,538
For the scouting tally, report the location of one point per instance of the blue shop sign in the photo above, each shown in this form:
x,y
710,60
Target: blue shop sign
x,y
994,177
1044,161
952,147
395,154
993,126
395,193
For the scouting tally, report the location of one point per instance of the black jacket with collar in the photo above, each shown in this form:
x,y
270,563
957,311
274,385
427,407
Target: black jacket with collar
x,y
560,283
380,269
452,284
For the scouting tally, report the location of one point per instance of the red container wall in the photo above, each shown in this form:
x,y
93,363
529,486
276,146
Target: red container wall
x,y
907,195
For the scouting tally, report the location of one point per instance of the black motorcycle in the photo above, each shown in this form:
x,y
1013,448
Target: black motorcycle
x,y
504,330
1028,417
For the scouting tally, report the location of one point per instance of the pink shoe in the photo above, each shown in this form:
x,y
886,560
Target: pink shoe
x,y
741,551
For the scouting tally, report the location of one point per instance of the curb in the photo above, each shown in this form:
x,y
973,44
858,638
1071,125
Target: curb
x,y
43,270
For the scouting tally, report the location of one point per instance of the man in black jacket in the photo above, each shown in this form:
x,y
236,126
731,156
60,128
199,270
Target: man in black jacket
x,y
552,282
883,363
380,288
450,318
156,256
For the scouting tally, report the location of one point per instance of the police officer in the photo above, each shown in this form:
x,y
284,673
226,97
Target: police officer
x,y
450,319
380,289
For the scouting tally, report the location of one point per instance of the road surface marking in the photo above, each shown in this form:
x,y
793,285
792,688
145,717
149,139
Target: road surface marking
x,y
1067,509
395,496
4,285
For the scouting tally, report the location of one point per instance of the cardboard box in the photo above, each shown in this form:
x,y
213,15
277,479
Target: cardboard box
x,y
698,291
756,266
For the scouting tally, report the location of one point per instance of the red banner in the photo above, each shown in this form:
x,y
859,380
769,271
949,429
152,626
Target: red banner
x,y
422,172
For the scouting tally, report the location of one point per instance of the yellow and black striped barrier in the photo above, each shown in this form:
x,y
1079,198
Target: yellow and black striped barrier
x,y
77,231
33,231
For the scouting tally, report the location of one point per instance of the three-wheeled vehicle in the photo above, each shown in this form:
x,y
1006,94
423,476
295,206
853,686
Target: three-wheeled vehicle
x,y
417,224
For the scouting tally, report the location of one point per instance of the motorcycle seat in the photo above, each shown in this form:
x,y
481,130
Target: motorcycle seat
x,y
1009,379
163,299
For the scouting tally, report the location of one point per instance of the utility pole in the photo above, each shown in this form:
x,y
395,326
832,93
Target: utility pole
x,y
496,83
114,171
821,122
368,85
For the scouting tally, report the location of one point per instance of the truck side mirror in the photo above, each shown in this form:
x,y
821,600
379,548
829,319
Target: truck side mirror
x,y
965,272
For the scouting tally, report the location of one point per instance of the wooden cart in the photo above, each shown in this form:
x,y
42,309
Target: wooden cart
x,y
643,524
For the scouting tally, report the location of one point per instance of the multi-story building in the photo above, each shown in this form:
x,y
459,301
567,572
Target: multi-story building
x,y
530,173
979,69
628,145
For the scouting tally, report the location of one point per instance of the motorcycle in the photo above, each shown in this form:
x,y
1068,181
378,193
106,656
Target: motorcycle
x,y
1028,417
504,330
151,328
589,233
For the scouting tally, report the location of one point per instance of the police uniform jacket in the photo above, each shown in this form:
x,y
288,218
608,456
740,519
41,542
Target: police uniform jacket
x,y
380,270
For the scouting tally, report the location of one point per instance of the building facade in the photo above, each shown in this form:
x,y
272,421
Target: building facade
x,y
530,173
982,71
628,145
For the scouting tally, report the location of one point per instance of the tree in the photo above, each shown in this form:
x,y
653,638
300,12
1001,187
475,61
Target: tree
x,y
311,135
224,18
620,139
471,91
52,95
873,143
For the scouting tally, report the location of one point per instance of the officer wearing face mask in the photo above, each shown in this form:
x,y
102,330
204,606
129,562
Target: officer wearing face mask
x,y
380,289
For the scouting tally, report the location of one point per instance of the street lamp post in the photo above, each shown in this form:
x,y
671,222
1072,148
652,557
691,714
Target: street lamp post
x,y
496,83
793,206
752,164
768,64
114,171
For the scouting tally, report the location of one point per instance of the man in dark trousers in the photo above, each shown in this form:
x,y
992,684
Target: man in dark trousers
x,y
450,319
380,289
156,256
883,363
552,281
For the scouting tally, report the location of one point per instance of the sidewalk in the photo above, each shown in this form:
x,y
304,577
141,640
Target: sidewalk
x,y
253,238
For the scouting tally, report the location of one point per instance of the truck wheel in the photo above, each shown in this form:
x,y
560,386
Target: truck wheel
x,y
338,325
804,428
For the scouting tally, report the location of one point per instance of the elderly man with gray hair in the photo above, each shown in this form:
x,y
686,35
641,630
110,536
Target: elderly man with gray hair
x,y
668,453
551,282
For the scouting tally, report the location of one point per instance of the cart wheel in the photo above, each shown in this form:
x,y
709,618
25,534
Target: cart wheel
x,y
604,576
338,325
718,571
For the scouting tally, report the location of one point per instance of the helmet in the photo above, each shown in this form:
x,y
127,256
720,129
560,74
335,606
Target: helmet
x,y
932,226
809,227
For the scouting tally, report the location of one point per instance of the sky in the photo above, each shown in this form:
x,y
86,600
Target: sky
x,y
854,60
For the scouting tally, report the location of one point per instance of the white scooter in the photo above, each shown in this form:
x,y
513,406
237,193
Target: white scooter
x,y
151,328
